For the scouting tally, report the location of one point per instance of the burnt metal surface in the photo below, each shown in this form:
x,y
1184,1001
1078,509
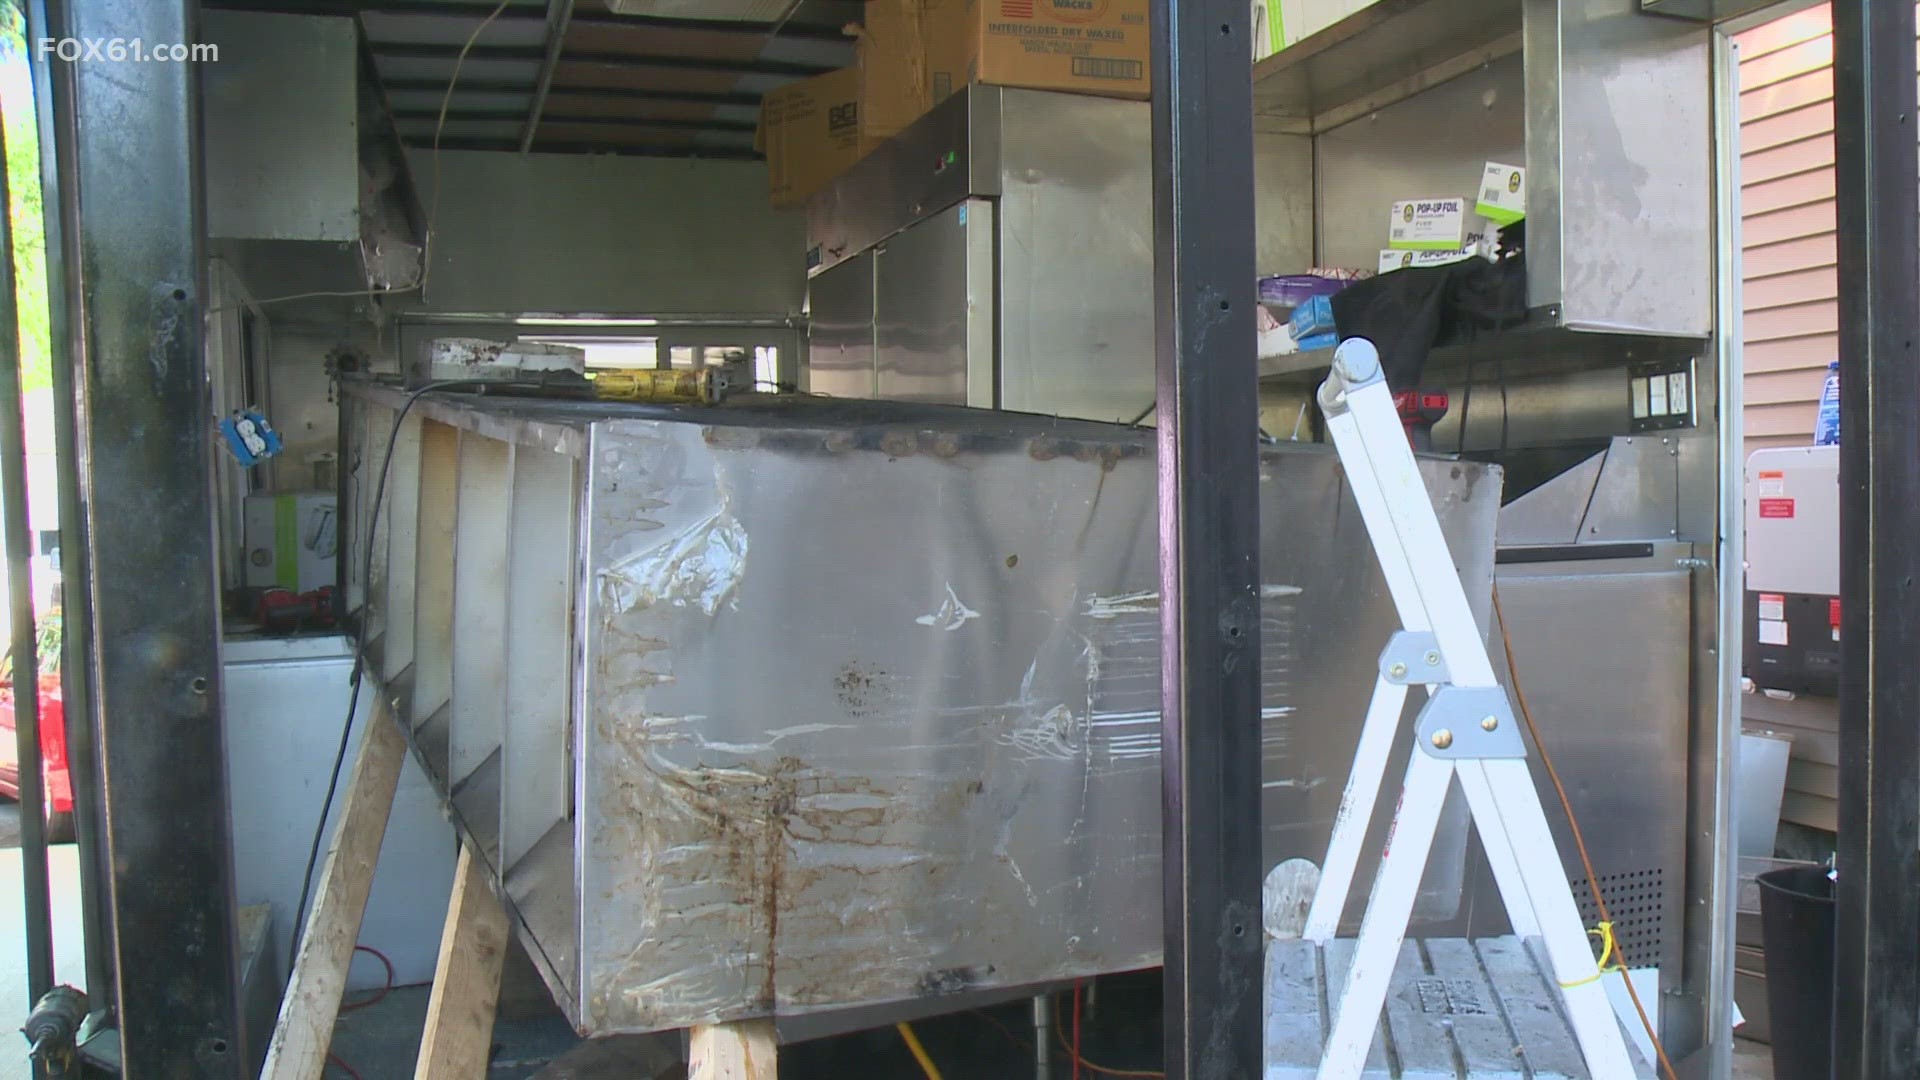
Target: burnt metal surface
x,y
1213,682
1876,1029
863,699
144,461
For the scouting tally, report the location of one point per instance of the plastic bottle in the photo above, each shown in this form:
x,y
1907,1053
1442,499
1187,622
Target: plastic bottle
x,y
1826,427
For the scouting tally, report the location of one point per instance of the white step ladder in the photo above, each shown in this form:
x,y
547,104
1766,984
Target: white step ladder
x,y
1466,731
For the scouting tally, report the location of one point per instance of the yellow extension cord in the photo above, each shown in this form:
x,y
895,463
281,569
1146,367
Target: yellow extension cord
x,y
919,1052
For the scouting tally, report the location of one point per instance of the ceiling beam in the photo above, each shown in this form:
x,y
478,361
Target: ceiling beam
x,y
622,93
558,14
508,145
529,13
536,54
664,123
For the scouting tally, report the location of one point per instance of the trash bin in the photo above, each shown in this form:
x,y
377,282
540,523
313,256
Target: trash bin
x,y
1796,925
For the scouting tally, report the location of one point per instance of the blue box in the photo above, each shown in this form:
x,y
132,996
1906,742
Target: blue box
x,y
1313,318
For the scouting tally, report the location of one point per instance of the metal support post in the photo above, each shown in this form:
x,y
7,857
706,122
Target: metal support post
x,y
1208,407
1877,967
144,465
1042,1036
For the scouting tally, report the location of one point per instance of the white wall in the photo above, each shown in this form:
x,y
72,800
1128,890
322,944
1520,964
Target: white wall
x,y
599,233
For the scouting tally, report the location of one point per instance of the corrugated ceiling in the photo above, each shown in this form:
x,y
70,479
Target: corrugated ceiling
x,y
613,83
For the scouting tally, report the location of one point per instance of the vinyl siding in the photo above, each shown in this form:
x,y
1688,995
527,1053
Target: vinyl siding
x,y
1787,224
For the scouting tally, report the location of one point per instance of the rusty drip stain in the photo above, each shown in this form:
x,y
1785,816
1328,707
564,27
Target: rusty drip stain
x,y
774,870
748,820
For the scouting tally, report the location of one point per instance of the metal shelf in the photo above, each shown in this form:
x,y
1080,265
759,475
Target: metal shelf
x,y
1377,56
1536,349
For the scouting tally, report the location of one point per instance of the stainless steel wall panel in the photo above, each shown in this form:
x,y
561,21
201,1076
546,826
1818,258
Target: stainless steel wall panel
x,y
865,699
1552,513
480,602
282,146
1637,495
983,304
840,342
1076,260
543,559
927,314
1432,145
1619,168
948,154
1603,653
393,575
433,577
1067,179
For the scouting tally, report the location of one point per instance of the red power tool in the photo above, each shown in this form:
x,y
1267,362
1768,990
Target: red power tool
x,y
283,610
1419,410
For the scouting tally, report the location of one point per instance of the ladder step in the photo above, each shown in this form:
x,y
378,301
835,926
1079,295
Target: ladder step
x,y
1457,1009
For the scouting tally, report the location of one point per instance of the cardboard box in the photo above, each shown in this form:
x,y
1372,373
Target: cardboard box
x,y
291,540
1428,225
811,132
1391,260
892,57
1083,46
1503,193
815,129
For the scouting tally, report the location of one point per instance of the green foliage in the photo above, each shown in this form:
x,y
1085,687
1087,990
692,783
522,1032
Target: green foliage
x,y
48,628
19,126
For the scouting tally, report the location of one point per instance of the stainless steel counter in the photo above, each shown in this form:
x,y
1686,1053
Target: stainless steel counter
x,y
793,707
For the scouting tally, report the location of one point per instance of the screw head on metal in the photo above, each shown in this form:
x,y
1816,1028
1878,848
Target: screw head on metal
x,y
1442,739
1433,657
1489,723
1398,670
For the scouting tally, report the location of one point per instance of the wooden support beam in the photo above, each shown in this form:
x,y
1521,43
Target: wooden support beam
x,y
458,1038
312,1003
743,1050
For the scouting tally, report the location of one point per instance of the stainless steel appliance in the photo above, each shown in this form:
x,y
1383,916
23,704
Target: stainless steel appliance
x,y
1598,596
789,708
998,253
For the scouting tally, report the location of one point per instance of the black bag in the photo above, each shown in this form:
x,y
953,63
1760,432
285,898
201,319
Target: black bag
x,y
1407,313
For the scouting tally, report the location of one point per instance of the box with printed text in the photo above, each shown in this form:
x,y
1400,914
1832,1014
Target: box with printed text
x,y
1083,46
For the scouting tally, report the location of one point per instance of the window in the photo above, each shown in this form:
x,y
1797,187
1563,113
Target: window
x,y
620,353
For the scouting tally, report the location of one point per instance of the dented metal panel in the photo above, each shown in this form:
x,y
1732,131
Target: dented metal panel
x,y
865,707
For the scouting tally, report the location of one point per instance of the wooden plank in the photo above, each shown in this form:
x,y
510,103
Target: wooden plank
x,y
312,1002
742,1050
458,1038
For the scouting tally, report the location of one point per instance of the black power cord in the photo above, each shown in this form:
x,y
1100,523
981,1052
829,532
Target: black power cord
x,y
359,649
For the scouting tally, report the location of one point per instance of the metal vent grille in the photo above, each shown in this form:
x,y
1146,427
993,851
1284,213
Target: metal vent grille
x,y
1637,901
